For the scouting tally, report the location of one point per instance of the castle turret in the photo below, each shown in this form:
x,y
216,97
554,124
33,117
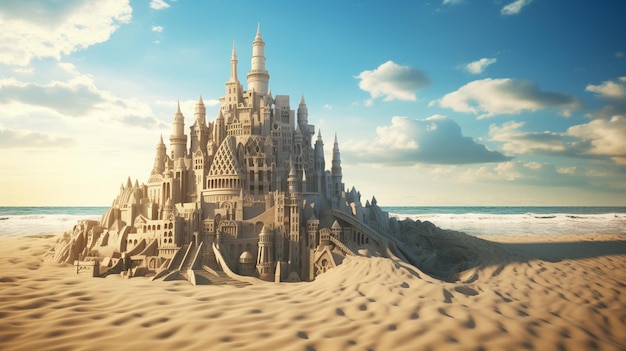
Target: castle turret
x,y
233,87
233,65
265,257
178,139
200,112
303,120
159,158
199,130
319,166
258,77
320,163
305,188
336,170
220,129
292,180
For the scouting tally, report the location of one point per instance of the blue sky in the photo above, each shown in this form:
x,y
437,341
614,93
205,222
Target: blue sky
x,y
450,102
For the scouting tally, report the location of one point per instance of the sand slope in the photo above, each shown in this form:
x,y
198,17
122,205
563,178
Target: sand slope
x,y
519,302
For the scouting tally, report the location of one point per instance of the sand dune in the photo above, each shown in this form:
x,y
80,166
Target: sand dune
x,y
566,294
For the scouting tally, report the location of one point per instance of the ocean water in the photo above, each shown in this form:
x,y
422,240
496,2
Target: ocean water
x,y
18,221
520,220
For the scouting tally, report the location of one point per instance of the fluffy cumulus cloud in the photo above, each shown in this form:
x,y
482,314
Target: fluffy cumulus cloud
x,y
600,138
434,140
30,29
516,141
157,29
392,81
605,137
74,97
158,4
479,66
515,7
613,94
609,89
490,97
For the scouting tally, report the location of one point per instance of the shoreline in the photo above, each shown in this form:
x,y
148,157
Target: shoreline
x,y
554,298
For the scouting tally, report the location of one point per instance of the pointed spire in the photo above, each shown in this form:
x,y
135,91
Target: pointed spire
x,y
258,77
178,108
233,64
200,101
292,169
336,138
258,32
302,100
161,140
319,134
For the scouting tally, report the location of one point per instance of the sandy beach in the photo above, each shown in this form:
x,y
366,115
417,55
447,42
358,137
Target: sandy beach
x,y
540,293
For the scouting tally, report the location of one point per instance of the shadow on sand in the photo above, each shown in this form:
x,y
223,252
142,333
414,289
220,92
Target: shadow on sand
x,y
557,251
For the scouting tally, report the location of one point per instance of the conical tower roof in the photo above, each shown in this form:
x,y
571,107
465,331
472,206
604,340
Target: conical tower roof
x,y
225,163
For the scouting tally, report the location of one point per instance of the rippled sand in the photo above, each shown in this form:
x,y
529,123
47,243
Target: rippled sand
x,y
559,293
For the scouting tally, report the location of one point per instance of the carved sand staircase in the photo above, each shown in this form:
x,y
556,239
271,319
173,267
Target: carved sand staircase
x,y
186,265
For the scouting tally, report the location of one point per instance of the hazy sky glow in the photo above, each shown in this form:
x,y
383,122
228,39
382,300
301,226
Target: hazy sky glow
x,y
450,102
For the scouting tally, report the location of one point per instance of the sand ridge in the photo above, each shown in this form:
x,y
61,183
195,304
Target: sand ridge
x,y
518,302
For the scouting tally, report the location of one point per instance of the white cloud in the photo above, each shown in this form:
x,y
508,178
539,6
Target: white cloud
x,y
490,97
613,93
600,138
516,141
478,67
74,25
515,7
609,89
393,82
157,29
606,137
452,2
406,142
75,97
158,5
328,107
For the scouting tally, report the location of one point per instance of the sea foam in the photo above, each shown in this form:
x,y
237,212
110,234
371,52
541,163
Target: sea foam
x,y
526,223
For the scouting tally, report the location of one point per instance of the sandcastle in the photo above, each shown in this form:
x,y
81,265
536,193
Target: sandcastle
x,y
242,198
